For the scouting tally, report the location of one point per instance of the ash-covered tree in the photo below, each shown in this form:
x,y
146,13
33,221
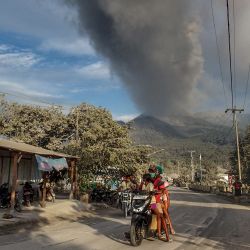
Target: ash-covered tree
x,y
104,146
210,171
44,127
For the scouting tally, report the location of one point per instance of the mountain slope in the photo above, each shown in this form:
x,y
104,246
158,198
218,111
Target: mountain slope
x,y
177,135
147,128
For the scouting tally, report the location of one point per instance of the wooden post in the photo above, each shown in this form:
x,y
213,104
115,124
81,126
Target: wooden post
x,y
9,170
1,170
72,169
43,198
14,181
76,195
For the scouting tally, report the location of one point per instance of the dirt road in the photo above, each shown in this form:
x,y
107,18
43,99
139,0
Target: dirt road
x,y
202,221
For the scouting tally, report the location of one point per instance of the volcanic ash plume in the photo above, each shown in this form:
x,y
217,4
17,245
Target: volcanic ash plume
x,y
152,45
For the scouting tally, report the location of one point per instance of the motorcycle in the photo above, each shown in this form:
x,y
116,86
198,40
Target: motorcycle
x,y
5,198
126,199
141,219
98,195
114,199
28,194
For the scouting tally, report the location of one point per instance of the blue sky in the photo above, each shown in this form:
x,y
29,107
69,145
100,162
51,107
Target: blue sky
x,y
43,56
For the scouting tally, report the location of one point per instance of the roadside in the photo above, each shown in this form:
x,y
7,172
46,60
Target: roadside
x,y
34,215
72,210
201,220
242,200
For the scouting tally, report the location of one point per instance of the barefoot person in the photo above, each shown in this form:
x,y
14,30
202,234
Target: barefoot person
x,y
156,205
165,207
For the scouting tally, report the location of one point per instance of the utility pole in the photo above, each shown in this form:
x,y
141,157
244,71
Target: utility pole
x,y
192,164
235,124
200,168
178,167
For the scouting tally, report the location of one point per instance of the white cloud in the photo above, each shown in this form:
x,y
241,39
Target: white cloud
x,y
98,70
4,48
16,88
38,18
125,118
17,59
77,47
95,87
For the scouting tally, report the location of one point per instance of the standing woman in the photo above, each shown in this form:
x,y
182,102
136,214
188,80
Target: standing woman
x,y
156,206
166,205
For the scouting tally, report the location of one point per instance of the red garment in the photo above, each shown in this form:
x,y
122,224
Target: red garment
x,y
237,185
158,198
156,181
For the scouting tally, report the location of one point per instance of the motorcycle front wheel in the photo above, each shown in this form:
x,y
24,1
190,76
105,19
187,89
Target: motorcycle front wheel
x,y
18,207
136,236
125,210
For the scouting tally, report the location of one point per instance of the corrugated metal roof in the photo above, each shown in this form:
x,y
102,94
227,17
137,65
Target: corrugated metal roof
x,y
26,148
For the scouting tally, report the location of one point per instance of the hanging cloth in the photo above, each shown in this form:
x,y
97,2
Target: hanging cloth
x,y
48,164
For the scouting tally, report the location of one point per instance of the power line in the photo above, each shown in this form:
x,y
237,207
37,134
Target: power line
x,y
230,55
229,131
218,53
234,80
247,83
35,100
27,97
219,127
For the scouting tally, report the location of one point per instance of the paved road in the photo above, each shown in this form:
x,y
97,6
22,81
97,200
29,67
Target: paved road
x,y
202,221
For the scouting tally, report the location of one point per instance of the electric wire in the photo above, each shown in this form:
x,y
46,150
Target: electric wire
x,y
27,97
218,54
36,100
230,55
229,132
234,78
247,83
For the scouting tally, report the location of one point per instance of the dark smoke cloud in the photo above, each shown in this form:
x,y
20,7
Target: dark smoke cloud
x,y
152,45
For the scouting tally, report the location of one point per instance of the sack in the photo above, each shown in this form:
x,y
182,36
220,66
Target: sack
x,y
153,225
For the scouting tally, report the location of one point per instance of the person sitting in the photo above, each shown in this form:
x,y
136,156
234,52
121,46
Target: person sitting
x,y
27,194
158,175
126,184
147,184
152,171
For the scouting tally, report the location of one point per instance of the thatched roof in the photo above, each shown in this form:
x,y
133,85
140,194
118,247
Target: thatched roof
x,y
29,149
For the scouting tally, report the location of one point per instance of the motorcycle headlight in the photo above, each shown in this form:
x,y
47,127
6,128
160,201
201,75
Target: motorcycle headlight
x,y
139,205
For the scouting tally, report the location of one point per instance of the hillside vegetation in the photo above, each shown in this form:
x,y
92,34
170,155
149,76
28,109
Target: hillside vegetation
x,y
179,135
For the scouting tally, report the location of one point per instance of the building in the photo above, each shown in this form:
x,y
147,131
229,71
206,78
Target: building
x,y
18,163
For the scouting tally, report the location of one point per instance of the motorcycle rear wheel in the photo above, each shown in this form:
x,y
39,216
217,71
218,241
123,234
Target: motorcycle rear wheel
x,y
136,236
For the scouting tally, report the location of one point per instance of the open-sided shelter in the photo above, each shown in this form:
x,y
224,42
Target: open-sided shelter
x,y
18,161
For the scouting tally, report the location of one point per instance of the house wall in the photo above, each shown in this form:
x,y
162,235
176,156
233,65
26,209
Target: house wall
x,y
5,168
27,169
